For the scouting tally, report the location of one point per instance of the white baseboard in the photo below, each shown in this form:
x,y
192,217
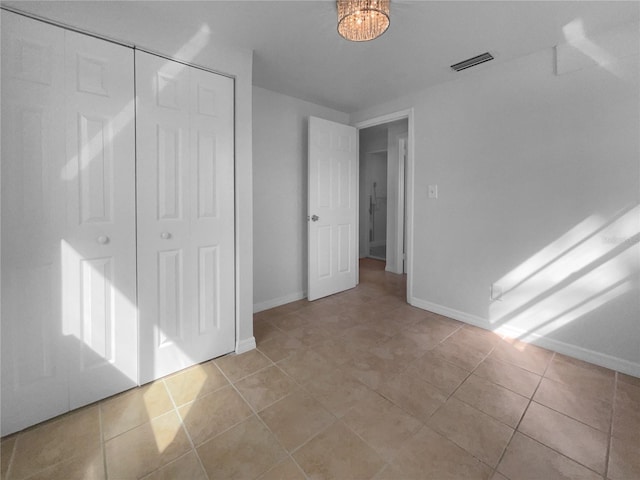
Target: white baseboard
x,y
276,302
575,351
245,345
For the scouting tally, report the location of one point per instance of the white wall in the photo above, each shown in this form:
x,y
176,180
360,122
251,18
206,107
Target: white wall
x,y
535,173
280,126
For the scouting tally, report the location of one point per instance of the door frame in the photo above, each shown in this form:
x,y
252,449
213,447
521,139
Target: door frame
x,y
408,187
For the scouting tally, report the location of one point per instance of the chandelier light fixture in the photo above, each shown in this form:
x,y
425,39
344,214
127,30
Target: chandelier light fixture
x,y
362,20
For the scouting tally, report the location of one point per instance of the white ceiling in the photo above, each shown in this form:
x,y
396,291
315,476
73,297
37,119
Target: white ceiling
x,y
297,50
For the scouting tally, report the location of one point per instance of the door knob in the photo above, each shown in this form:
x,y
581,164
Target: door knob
x,y
103,239
165,235
315,218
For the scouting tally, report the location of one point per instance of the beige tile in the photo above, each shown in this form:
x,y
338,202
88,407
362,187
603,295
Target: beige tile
x,y
280,347
524,355
337,391
212,414
413,395
627,395
476,432
626,414
363,337
474,337
509,376
580,442
194,382
430,456
628,379
295,419
134,407
187,467
575,402
526,459
432,331
74,435
624,460
285,309
498,476
265,387
86,467
597,380
336,351
386,325
236,367
434,369
290,321
409,313
492,399
265,330
459,353
373,370
246,451
310,334
381,424
338,453
305,365
287,470
146,448
79,468
335,325
6,452
399,348
323,308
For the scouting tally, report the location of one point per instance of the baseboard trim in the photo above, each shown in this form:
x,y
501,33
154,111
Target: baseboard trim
x,y
276,302
245,345
575,351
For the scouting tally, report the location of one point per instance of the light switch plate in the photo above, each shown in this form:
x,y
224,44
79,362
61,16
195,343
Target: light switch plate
x,y
433,191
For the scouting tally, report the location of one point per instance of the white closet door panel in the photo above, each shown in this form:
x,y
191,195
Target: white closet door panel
x,y
98,245
184,166
212,232
34,386
162,89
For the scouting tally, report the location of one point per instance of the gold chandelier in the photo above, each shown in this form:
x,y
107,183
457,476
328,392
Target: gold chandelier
x,y
362,20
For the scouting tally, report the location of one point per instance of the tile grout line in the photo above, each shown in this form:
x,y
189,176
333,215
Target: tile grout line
x,y
524,412
610,436
543,444
184,428
11,458
103,446
462,382
255,414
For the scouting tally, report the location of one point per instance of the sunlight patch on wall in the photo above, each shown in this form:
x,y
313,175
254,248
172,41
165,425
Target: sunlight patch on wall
x,y
592,264
603,49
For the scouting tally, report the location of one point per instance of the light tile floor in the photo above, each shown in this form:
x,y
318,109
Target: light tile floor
x,y
355,386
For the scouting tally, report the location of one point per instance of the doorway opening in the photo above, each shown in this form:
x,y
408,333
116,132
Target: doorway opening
x,y
382,164
385,166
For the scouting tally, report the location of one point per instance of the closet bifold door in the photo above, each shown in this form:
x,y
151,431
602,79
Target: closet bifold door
x,y
98,245
34,380
185,201
69,326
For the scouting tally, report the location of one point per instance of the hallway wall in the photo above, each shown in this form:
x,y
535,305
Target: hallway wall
x,y
280,128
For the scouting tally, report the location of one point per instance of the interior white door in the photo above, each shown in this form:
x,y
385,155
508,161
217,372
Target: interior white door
x,y
333,214
34,387
98,244
185,215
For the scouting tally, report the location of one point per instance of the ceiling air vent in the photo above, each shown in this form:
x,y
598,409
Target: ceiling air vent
x,y
472,62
